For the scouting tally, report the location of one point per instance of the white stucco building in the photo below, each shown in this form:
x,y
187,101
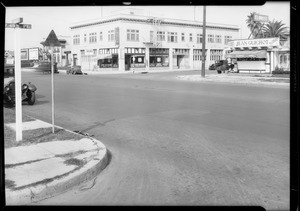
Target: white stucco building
x,y
133,41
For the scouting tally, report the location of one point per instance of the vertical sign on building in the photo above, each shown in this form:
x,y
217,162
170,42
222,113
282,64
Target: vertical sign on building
x,y
117,36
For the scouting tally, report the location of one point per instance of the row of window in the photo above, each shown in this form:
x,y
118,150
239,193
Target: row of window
x,y
133,35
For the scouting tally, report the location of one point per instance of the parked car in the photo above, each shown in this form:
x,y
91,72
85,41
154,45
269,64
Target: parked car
x,y
45,66
222,66
75,70
212,67
28,89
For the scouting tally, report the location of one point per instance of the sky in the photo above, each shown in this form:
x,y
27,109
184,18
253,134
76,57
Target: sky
x,y
44,19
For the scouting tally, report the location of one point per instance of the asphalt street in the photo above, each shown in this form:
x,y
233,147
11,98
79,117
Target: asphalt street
x,y
174,142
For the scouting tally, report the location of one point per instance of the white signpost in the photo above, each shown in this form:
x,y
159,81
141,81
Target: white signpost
x,y
52,41
18,86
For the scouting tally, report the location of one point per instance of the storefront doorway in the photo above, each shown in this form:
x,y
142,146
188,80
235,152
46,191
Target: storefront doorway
x,y
179,60
127,62
75,60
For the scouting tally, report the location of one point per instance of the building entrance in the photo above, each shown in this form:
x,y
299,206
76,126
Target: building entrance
x,y
127,62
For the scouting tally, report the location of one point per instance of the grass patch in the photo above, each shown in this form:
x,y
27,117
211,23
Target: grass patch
x,y
33,136
9,115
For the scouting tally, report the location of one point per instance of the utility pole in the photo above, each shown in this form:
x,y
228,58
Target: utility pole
x,y
203,57
52,41
16,25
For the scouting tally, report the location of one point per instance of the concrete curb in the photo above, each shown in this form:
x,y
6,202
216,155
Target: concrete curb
x,y
60,185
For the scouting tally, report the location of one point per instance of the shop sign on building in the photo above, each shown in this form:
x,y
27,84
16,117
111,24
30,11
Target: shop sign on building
x,y
89,52
24,54
264,42
260,18
33,54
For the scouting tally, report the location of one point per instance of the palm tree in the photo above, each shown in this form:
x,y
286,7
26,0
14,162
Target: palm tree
x,y
275,29
254,26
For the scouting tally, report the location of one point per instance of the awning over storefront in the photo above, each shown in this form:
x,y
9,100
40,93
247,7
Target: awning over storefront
x,y
104,56
247,54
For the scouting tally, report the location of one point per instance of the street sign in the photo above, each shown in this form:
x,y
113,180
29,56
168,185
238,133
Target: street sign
x,y
11,25
17,20
17,25
52,40
25,26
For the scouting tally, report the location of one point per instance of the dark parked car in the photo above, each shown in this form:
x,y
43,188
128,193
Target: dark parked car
x,y
28,89
45,66
221,66
75,70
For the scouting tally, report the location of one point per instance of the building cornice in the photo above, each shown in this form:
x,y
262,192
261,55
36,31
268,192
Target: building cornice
x,y
150,22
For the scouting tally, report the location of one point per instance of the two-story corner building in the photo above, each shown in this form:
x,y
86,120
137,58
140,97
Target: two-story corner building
x,y
135,42
61,54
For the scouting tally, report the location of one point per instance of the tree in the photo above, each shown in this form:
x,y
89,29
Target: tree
x,y
254,26
276,29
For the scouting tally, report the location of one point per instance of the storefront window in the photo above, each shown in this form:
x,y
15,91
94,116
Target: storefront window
x,y
159,61
137,61
109,63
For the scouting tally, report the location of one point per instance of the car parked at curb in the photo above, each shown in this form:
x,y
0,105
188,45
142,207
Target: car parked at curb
x,y
28,89
221,66
45,67
74,70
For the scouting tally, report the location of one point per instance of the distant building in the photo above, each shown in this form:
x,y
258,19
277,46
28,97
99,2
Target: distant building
x,y
131,41
61,54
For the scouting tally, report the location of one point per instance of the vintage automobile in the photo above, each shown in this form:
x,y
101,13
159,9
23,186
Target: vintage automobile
x,y
45,67
221,66
28,89
75,70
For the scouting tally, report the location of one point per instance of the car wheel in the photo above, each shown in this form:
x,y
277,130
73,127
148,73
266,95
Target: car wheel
x,y
31,97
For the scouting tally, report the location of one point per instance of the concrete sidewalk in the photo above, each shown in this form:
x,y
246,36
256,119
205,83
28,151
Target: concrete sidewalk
x,y
239,79
38,171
